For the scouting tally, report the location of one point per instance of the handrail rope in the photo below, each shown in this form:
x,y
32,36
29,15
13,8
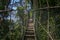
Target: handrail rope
x,y
23,34
34,26
24,30
35,31
45,8
45,30
6,10
48,19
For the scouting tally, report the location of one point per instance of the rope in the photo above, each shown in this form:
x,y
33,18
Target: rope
x,y
45,30
34,10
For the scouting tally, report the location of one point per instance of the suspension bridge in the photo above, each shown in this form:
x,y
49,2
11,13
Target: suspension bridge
x,y
42,24
30,31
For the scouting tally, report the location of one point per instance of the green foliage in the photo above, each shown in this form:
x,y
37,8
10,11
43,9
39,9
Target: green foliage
x,y
4,25
5,2
41,16
57,23
20,12
42,3
1,7
52,20
4,29
41,34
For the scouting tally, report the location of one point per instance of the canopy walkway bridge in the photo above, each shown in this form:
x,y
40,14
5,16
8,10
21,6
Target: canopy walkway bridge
x,y
40,25
30,31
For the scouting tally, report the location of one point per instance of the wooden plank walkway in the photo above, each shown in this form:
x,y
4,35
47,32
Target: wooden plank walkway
x,y
30,32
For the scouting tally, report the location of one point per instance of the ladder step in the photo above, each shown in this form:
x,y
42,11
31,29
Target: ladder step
x,y
30,28
31,24
30,35
30,39
30,31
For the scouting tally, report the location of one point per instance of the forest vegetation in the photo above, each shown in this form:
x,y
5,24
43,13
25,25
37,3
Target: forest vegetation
x,y
45,14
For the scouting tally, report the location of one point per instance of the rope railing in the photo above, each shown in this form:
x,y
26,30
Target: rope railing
x,y
24,27
5,10
41,8
34,14
46,31
33,10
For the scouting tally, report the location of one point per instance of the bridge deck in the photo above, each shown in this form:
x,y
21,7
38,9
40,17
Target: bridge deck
x,y
30,32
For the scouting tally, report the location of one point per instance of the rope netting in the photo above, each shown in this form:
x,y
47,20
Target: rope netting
x,y
45,17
